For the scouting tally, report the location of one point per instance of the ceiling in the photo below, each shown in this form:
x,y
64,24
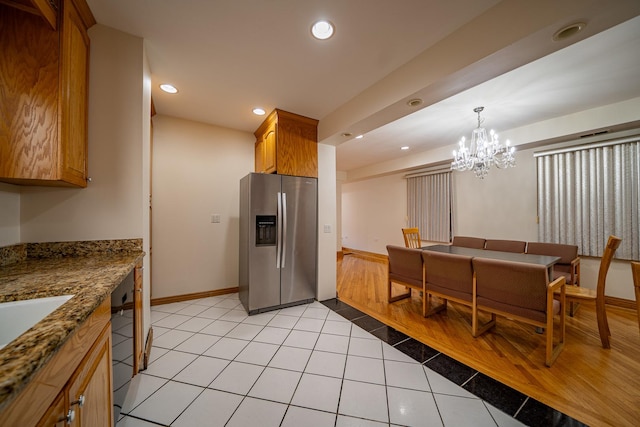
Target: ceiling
x,y
228,56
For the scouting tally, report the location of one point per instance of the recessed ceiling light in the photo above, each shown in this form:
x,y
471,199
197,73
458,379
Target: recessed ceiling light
x,y
359,136
404,148
259,112
168,88
347,134
414,102
568,31
322,30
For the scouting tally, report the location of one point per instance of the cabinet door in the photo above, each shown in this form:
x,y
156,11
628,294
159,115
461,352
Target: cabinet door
x,y
28,97
56,414
90,389
73,97
269,157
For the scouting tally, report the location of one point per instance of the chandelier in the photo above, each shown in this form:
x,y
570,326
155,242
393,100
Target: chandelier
x,y
483,152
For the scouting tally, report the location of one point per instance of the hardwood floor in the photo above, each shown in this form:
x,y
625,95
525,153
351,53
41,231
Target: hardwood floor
x,y
595,386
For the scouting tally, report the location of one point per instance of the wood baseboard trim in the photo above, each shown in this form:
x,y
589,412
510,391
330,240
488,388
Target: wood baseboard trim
x,y
340,255
196,295
364,254
620,302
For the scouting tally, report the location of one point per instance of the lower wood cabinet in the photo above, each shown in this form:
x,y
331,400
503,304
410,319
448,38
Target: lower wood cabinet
x,y
90,389
86,400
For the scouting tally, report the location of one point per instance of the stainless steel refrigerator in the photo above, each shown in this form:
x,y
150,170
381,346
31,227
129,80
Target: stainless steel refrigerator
x,y
278,241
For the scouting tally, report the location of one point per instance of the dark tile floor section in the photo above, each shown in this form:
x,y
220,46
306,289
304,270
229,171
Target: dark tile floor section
x,y
535,413
525,409
496,393
416,350
389,335
450,368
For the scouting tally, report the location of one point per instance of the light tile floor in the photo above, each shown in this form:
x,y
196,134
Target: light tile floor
x,y
212,365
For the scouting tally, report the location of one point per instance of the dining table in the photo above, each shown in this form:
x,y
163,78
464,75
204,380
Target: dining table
x,y
547,260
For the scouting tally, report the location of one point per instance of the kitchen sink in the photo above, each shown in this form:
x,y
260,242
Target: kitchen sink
x,y
17,317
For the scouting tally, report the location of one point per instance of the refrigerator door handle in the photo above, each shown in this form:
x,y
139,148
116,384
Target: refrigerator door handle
x,y
284,228
279,230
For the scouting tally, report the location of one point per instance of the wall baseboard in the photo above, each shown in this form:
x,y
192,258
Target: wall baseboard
x,y
196,295
369,255
620,302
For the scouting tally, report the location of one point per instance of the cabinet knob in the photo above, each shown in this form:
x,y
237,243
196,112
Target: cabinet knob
x,y
79,402
71,415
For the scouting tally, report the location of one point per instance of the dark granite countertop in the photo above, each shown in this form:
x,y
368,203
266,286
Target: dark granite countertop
x,y
89,275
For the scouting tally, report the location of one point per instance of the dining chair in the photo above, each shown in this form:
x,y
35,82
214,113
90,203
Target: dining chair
x,y
515,246
635,272
404,268
412,237
569,263
468,242
576,294
521,292
449,277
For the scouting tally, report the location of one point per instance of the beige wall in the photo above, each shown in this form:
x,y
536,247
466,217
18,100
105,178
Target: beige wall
x,y
327,217
196,173
9,214
373,212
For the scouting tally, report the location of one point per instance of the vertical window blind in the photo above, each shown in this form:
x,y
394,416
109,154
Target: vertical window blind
x,y
587,193
429,205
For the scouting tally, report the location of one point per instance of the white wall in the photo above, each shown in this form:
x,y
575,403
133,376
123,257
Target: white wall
x,y
196,173
9,214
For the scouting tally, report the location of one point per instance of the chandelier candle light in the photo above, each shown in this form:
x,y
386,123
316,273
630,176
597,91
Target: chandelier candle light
x,y
483,152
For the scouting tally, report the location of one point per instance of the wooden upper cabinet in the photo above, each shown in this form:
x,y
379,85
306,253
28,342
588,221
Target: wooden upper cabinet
x,y
44,96
47,9
286,143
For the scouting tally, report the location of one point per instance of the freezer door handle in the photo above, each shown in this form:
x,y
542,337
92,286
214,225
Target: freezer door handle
x,y
278,231
284,228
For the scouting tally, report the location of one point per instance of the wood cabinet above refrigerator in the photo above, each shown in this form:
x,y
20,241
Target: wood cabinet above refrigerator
x,y
287,144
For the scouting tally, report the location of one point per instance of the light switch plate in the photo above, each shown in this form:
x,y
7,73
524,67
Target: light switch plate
x,y
215,218
327,228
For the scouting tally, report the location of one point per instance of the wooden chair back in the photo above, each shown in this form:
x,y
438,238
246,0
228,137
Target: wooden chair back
x,y
603,324
468,242
412,238
635,272
569,264
576,294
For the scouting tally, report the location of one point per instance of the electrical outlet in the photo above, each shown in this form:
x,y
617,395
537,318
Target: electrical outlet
x,y
215,218
327,228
